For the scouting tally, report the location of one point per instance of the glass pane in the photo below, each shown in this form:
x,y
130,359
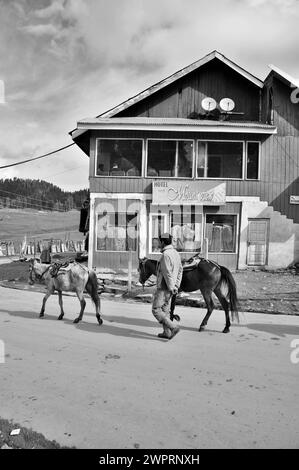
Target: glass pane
x,y
225,159
117,232
119,157
201,159
158,224
185,159
186,230
221,233
161,158
252,160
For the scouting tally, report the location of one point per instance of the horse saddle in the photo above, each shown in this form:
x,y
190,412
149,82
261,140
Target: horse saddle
x,y
192,263
57,266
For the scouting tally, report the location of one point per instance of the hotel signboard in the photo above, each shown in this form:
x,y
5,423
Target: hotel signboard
x,y
294,199
203,193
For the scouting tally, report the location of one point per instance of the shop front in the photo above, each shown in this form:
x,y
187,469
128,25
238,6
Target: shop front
x,y
127,227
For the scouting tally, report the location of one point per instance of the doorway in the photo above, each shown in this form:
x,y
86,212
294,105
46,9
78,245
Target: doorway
x,y
257,242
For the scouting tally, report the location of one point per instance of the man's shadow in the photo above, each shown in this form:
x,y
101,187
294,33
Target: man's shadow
x,y
107,326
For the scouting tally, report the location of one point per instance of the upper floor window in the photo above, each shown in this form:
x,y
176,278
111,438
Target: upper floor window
x,y
252,160
220,159
169,158
119,157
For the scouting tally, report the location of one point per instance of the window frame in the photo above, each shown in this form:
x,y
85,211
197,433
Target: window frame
x,y
244,148
235,252
116,251
119,176
258,160
150,228
176,158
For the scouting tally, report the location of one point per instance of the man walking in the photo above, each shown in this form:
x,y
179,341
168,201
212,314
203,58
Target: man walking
x,y
169,276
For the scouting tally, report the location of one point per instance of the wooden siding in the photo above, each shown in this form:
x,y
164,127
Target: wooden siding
x,y
183,97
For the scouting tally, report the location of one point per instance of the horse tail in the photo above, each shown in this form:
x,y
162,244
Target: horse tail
x,y
228,280
92,288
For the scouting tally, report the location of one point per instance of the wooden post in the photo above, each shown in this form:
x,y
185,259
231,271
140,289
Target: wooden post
x,y
205,248
130,263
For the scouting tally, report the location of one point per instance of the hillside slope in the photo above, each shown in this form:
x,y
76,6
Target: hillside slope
x,y
16,223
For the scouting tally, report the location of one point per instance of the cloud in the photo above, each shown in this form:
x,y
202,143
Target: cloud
x,y
53,9
41,30
74,58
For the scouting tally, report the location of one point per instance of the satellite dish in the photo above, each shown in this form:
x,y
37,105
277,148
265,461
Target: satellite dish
x,y
226,104
208,104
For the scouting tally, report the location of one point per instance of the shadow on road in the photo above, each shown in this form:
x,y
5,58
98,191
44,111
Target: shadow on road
x,y
35,316
109,326
279,330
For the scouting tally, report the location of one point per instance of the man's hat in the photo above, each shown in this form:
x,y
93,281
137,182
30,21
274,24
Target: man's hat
x,y
165,236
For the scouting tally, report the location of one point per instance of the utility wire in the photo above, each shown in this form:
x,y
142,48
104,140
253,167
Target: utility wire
x,y
37,158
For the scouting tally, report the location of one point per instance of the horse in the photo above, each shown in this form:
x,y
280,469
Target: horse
x,y
206,276
73,278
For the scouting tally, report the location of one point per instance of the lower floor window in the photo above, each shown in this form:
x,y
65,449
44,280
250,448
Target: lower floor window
x,y
116,232
221,233
186,231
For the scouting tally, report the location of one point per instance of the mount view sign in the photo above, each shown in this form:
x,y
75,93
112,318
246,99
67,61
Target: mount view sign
x,y
204,193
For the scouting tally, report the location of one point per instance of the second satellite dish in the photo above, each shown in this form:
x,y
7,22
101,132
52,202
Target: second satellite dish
x,y
208,104
227,104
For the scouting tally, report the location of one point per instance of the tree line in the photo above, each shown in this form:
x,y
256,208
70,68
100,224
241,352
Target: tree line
x,y
38,194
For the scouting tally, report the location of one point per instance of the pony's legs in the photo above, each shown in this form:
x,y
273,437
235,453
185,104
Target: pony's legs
x,y
93,292
82,303
61,305
225,306
48,294
207,295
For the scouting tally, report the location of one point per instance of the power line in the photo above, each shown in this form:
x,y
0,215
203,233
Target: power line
x,y
18,205
37,158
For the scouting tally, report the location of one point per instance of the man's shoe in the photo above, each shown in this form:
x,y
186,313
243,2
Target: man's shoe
x,y
174,332
163,335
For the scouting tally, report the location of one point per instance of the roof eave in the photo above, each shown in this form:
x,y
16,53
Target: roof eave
x,y
215,127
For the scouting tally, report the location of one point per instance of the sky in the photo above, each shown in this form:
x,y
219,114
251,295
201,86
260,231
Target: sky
x,y
64,60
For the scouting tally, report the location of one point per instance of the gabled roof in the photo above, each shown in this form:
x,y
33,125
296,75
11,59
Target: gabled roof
x,y
181,73
285,77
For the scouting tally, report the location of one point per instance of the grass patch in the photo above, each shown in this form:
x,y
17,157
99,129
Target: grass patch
x,y
27,439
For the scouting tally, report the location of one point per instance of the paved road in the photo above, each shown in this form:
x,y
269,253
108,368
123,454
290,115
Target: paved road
x,y
119,386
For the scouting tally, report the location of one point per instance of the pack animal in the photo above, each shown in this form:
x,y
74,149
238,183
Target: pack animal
x,y
70,278
206,276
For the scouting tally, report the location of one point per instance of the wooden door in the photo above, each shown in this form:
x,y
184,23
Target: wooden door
x,y
257,242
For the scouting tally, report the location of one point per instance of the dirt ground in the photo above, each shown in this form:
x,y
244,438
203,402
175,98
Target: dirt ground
x,y
258,290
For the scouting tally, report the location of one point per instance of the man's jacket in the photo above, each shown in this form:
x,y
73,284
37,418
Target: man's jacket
x,y
169,270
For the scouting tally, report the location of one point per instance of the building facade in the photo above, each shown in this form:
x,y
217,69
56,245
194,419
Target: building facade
x,y
210,152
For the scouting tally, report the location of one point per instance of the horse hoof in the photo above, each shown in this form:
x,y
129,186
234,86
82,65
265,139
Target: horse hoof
x,y
226,330
201,328
100,321
41,315
60,317
177,317
76,320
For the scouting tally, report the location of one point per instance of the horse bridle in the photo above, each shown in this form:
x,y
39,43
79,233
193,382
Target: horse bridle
x,y
38,276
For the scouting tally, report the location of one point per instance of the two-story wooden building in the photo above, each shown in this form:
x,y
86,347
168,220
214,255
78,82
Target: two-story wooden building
x,y
209,152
